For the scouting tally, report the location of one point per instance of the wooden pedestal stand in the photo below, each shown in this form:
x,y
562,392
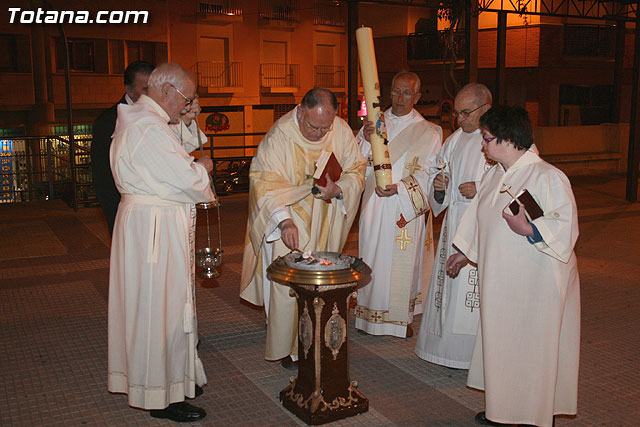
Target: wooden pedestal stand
x,y
323,391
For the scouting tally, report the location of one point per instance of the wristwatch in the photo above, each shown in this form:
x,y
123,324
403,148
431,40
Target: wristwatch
x,y
339,196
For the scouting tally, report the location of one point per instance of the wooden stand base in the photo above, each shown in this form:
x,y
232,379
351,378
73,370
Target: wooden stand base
x,y
322,392
353,404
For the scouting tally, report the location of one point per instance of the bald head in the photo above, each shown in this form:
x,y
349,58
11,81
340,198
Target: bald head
x,y
478,91
173,88
320,97
316,113
471,102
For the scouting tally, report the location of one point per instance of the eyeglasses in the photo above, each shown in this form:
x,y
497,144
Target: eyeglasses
x,y
396,92
315,129
187,101
488,140
466,113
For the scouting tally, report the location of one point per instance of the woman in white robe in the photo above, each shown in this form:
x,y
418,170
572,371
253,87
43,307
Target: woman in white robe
x,y
526,355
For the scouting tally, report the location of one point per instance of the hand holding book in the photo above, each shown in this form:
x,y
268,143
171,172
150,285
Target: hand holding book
x,y
523,198
520,212
328,171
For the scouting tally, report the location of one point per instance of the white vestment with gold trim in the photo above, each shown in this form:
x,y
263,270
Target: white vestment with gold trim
x,y
281,180
396,238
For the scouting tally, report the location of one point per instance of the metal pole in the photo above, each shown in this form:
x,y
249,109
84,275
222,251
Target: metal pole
x,y
467,39
634,120
501,50
618,71
50,176
72,148
352,89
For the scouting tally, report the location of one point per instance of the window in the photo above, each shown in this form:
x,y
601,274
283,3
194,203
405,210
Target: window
x,y
140,51
81,55
589,40
585,105
8,53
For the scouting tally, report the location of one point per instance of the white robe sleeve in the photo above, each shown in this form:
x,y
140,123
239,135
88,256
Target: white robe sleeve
x,y
559,224
272,232
167,169
466,237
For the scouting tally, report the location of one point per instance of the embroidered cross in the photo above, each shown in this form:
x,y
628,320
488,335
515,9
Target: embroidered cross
x,y
411,186
376,317
404,239
413,166
428,241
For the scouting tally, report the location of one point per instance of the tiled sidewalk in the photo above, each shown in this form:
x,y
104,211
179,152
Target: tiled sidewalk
x,y
53,341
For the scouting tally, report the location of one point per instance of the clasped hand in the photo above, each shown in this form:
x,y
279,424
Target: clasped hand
x,y
388,191
455,263
188,116
440,182
206,162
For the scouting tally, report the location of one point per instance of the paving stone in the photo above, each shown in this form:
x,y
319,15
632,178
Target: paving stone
x,y
53,336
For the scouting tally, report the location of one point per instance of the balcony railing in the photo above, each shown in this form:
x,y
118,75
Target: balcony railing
x,y
279,75
215,74
220,7
433,45
330,13
280,10
329,76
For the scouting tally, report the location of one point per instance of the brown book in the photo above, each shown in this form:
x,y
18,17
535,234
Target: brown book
x,y
531,207
327,163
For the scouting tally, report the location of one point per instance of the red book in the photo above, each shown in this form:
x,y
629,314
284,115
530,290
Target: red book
x,y
327,163
531,207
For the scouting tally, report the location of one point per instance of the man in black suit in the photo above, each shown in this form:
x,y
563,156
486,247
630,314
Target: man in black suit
x,y
135,82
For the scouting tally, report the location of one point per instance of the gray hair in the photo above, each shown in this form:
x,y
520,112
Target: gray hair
x,y
417,84
170,72
480,93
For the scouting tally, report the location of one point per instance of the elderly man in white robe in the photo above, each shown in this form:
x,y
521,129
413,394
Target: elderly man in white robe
x,y
152,325
395,232
450,320
285,215
527,350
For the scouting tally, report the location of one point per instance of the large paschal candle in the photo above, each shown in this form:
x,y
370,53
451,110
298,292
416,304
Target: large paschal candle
x,y
369,72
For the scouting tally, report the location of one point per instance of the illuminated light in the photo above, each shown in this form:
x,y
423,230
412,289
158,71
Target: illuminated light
x,y
362,112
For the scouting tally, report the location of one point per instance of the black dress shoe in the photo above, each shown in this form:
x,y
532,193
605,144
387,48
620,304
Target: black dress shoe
x,y
180,412
409,331
199,392
481,418
289,363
